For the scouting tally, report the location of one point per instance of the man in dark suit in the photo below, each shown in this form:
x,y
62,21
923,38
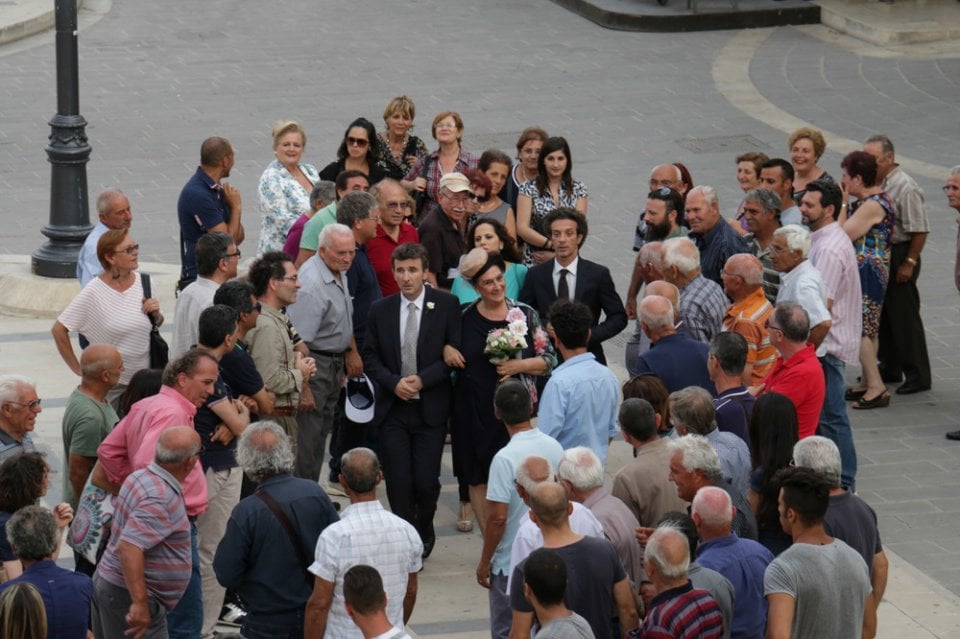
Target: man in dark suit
x,y
570,277
403,353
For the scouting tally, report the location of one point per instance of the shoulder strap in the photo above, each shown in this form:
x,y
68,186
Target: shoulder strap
x,y
287,526
145,282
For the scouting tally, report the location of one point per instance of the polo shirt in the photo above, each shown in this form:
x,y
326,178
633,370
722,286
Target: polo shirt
x,y
716,246
201,207
679,362
733,409
10,447
579,404
380,252
683,613
734,458
748,317
66,598
365,290
742,562
310,239
323,311
801,379
444,244
240,374
215,455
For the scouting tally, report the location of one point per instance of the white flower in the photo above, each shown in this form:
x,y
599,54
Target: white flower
x,y
518,327
430,306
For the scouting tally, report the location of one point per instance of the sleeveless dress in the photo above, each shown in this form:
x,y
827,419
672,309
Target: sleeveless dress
x,y
873,262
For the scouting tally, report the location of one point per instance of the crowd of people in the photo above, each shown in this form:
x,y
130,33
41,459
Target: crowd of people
x,y
401,299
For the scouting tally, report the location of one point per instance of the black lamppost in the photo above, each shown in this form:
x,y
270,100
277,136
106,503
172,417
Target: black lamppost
x,y
68,152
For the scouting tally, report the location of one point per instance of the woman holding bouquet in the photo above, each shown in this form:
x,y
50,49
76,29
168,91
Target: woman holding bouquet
x,y
495,329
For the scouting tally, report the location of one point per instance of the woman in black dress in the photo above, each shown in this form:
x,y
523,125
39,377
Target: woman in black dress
x,y
477,434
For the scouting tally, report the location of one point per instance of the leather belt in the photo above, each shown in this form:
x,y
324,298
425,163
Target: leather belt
x,y
285,411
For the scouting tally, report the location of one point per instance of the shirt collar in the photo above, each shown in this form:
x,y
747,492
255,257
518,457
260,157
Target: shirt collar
x,y
418,301
571,267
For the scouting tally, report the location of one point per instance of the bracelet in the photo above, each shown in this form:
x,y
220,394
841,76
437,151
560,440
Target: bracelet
x,y
910,261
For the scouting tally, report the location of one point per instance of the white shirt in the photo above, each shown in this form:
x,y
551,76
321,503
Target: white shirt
x,y
571,275
804,286
197,296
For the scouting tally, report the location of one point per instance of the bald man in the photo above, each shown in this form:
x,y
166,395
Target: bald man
x,y
675,358
88,419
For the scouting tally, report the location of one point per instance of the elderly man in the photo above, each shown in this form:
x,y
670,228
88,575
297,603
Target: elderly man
x,y
675,358
504,505
597,574
800,281
642,483
360,213
702,303
776,174
761,209
187,383
748,314
569,276
441,230
323,316
207,205
366,534
349,181
366,603
848,517
694,463
323,194
801,602
678,610
742,561
19,407
796,373
734,402
217,259
285,369
392,231
88,419
403,354
647,268
581,473
692,412
832,254
264,554
579,400
146,568
35,537
113,208
902,340
715,239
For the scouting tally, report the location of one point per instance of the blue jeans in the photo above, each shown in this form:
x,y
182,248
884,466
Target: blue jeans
x,y
834,423
185,621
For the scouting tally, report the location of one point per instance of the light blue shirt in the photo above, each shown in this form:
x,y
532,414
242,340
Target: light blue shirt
x,y
579,404
88,266
501,488
792,215
734,459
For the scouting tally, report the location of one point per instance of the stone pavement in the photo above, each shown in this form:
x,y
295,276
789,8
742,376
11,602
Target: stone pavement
x,y
157,79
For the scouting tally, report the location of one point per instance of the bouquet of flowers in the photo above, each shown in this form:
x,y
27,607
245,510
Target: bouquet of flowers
x,y
504,343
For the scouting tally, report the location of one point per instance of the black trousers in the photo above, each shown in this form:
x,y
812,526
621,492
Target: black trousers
x,y
410,452
902,341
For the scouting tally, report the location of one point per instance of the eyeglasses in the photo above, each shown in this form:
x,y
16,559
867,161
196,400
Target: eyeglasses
x,y
772,327
444,125
32,405
130,250
292,278
361,142
397,206
478,198
374,216
227,256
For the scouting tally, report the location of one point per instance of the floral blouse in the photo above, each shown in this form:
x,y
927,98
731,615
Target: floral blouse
x,y
543,204
282,200
397,167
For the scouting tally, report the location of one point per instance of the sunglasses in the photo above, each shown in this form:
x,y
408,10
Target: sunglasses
x,y
478,198
361,142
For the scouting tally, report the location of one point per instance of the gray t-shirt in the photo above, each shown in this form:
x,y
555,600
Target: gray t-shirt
x,y
572,627
829,584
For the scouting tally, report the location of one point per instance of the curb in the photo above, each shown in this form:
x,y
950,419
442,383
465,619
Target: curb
x,y
31,24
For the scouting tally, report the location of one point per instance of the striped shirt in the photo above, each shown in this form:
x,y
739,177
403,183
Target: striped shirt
x,y
150,515
771,278
367,534
682,613
748,317
831,251
907,197
702,305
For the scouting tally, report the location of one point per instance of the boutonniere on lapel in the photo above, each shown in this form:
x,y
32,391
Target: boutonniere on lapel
x,y
430,306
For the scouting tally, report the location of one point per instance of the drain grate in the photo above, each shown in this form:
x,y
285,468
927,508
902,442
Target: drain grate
x,y
722,144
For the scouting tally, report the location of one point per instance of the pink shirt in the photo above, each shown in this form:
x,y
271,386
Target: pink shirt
x,y
831,251
132,443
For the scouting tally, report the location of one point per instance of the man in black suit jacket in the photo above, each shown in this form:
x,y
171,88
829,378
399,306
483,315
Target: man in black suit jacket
x,y
413,393
582,280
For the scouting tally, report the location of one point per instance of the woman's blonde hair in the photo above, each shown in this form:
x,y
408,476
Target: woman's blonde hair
x,y
816,137
22,613
282,127
401,103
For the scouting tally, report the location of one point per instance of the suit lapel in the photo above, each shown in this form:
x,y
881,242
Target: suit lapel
x,y
394,329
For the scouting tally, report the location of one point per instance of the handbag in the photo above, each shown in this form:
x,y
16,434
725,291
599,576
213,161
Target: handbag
x,y
159,350
90,529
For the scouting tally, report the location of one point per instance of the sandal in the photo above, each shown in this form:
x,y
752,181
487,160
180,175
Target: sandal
x,y
852,394
465,518
880,401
